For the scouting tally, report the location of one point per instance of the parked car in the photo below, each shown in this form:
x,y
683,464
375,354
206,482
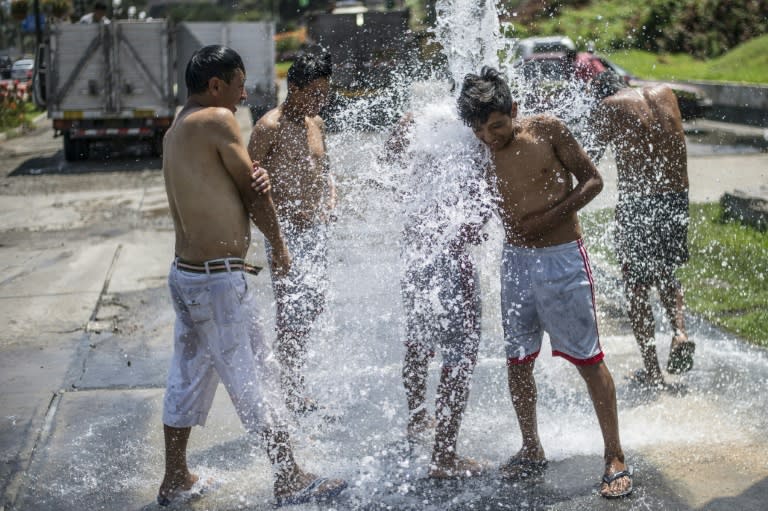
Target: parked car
x,y
551,71
5,67
23,69
545,44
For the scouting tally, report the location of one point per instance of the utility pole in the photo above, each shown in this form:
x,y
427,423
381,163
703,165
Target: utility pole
x,y
38,28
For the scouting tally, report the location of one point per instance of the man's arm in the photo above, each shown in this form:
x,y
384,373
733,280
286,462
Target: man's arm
x,y
330,190
577,162
597,139
397,142
259,205
262,140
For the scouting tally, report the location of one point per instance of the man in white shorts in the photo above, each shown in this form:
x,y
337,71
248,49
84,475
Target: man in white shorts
x,y
213,191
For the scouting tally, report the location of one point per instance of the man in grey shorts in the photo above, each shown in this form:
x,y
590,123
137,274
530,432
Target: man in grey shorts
x,y
549,289
543,178
213,191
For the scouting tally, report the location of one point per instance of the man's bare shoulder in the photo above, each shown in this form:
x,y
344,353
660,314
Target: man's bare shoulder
x,y
210,120
661,92
542,125
270,121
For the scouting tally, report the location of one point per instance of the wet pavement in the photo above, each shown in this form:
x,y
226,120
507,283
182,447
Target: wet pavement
x,y
87,340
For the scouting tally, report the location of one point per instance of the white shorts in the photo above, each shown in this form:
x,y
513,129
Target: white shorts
x,y
549,289
218,337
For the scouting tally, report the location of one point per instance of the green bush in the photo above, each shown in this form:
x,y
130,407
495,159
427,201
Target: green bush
x,y
705,28
702,28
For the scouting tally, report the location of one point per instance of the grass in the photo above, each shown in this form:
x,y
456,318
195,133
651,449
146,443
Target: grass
x,y
747,63
726,279
281,68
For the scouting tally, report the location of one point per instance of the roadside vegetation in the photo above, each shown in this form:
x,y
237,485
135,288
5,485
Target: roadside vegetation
x,y
659,39
726,279
16,109
747,63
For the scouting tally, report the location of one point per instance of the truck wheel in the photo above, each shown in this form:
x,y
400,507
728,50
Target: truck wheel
x,y
75,150
157,146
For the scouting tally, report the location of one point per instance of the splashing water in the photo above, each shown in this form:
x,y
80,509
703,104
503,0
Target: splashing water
x,y
356,349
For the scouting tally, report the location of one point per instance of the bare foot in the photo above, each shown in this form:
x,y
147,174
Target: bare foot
x,y
457,468
172,487
420,427
617,480
648,380
524,465
300,487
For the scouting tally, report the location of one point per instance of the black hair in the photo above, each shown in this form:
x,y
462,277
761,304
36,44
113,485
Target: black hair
x,y
482,95
99,6
311,64
214,61
606,84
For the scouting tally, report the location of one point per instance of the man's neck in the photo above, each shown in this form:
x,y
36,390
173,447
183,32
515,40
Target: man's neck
x,y
293,110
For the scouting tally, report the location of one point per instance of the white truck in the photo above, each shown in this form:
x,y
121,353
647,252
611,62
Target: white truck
x,y
121,82
107,82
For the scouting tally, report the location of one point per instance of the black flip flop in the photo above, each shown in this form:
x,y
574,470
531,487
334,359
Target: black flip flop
x,y
608,479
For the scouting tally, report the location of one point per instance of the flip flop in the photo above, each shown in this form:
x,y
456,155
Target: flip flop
x,y
681,357
523,468
198,490
608,479
312,493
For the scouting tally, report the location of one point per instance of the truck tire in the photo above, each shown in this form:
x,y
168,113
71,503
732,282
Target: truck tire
x,y
157,145
75,150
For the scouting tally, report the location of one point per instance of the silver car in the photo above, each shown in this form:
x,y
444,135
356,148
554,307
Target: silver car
x,y
23,69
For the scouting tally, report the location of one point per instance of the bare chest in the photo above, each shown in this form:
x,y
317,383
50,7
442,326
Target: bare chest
x,y
531,171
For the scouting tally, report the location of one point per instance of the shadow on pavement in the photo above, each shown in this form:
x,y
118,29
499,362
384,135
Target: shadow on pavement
x,y
752,499
128,160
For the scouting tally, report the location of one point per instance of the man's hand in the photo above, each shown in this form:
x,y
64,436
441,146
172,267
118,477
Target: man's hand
x,y
281,261
260,179
531,227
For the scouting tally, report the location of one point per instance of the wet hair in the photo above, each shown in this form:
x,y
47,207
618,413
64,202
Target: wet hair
x,y
482,95
311,64
214,61
606,84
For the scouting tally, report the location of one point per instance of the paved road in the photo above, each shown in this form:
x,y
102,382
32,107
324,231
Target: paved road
x,y
84,252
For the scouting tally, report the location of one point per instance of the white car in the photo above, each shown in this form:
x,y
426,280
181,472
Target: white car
x,y
23,69
544,44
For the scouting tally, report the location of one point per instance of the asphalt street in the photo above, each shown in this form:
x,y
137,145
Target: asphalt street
x,y
86,341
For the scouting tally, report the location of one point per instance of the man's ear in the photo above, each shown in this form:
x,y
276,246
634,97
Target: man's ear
x,y
214,85
513,110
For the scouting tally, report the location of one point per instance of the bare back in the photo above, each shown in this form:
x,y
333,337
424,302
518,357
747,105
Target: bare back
x,y
209,216
646,131
293,152
534,179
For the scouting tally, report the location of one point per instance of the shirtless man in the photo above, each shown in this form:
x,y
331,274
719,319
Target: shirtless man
x,y
546,280
441,298
289,142
208,179
644,127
